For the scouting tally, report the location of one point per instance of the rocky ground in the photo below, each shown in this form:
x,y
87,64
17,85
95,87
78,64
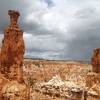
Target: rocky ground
x,y
59,80
42,70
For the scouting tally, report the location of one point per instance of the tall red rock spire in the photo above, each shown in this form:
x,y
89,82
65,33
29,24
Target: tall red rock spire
x,y
11,62
12,50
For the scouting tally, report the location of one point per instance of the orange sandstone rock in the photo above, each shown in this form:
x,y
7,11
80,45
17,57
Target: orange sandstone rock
x,y
93,78
12,49
12,86
96,60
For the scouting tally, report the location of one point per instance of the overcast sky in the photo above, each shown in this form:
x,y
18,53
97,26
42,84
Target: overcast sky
x,y
56,29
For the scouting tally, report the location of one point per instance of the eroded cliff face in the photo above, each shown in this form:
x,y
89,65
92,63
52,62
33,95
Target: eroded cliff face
x,y
11,61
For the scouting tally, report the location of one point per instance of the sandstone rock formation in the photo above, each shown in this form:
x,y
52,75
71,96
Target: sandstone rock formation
x,y
12,49
93,78
11,61
96,60
67,90
94,92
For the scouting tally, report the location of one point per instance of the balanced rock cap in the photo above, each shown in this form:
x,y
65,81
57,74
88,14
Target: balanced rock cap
x,y
13,16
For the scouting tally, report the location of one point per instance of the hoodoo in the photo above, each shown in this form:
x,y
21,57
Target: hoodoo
x,y
11,60
96,60
93,78
12,49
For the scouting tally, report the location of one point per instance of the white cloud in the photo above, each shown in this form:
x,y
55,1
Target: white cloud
x,y
43,46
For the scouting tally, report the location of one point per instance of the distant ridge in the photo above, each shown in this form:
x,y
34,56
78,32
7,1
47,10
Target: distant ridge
x,y
80,61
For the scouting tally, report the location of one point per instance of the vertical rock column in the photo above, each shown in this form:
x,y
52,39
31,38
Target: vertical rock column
x,y
11,62
96,60
93,78
12,50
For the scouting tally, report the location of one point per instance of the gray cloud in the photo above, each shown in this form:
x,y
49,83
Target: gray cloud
x,y
87,35
56,29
